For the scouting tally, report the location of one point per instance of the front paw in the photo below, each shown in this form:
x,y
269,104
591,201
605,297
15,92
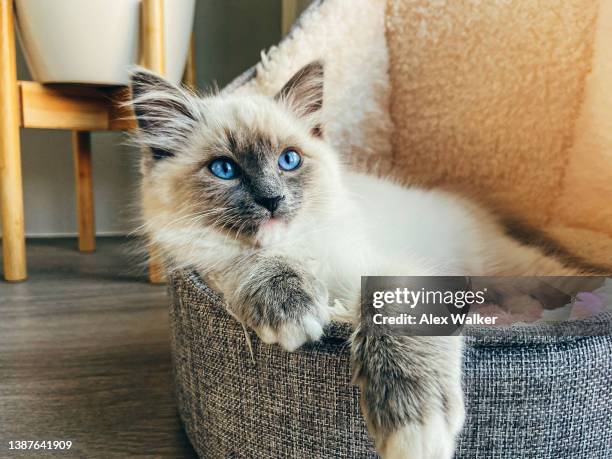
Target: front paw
x,y
432,437
413,410
284,304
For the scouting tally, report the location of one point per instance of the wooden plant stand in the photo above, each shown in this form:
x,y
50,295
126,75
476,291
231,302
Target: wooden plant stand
x,y
78,108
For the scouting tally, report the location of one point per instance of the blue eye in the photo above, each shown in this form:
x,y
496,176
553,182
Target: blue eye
x,y
289,160
223,168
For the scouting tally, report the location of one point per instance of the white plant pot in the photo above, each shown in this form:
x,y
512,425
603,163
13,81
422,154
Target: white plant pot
x,y
95,41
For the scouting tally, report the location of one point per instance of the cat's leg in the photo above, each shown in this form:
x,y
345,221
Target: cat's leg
x,y
278,298
411,393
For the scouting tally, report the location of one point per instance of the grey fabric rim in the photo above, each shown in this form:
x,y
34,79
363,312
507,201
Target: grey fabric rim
x,y
519,334
525,398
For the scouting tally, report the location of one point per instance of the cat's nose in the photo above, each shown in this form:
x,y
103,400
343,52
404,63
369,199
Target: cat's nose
x,y
269,202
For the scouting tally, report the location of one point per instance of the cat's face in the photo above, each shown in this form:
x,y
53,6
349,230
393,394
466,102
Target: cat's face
x,y
244,166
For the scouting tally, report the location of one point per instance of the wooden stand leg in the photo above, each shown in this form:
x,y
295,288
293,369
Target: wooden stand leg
x,y
189,76
11,188
156,268
154,59
290,10
153,51
81,152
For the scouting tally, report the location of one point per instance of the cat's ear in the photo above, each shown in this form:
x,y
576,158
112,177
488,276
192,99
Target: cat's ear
x,y
165,113
303,93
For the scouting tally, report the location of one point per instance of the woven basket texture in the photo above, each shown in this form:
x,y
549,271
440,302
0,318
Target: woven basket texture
x,y
528,395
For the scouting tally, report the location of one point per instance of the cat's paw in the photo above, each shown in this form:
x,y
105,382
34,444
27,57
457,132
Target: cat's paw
x,y
430,435
301,314
292,333
284,304
433,437
411,399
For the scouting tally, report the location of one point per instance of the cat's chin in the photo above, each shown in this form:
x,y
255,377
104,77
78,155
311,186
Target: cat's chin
x,y
271,231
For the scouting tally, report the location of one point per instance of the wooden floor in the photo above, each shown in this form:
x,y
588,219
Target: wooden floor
x,y
84,356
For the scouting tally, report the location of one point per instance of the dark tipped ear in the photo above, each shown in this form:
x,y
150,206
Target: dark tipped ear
x,y
304,91
143,81
165,113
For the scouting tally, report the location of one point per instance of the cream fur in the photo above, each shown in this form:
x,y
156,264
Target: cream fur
x,y
364,225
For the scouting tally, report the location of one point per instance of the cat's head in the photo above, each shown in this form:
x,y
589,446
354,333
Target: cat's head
x,y
244,166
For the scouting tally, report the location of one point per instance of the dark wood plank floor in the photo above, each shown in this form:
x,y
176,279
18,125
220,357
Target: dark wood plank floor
x,y
84,356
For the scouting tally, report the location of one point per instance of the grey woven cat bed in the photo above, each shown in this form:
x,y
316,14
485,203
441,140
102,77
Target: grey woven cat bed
x,y
528,395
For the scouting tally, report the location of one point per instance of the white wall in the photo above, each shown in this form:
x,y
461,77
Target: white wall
x,y
229,36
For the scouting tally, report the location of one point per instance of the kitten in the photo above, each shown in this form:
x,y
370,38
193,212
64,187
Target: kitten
x,y
245,189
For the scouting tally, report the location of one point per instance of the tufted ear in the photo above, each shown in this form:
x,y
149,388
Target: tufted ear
x,y
165,113
304,92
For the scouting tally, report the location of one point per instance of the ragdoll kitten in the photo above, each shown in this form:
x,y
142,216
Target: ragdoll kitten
x,y
245,189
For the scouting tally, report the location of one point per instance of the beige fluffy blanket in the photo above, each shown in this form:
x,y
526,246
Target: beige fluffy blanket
x,y
509,101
